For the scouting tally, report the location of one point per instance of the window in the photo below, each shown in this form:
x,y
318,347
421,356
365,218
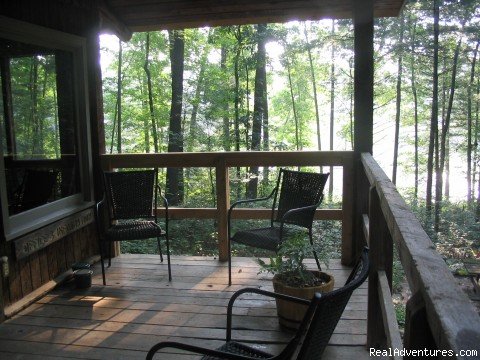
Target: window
x,y
45,173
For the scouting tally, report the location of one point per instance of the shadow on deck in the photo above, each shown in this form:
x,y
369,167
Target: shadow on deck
x,y
139,308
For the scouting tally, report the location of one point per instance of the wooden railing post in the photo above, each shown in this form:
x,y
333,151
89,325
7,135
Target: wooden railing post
x,y
223,204
348,245
380,259
418,334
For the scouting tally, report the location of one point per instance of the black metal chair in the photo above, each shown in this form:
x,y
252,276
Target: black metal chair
x,y
131,197
296,196
311,339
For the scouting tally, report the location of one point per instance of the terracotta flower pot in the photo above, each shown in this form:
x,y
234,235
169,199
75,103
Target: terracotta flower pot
x,y
290,314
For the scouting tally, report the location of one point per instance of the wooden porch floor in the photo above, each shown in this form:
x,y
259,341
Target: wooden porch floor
x,y
139,308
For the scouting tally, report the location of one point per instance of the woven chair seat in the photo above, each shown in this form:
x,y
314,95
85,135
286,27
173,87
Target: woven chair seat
x,y
265,238
233,347
133,230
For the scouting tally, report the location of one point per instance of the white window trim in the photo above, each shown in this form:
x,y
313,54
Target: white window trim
x,y
20,224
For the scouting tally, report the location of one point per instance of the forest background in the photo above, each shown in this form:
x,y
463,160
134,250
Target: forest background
x,y
290,87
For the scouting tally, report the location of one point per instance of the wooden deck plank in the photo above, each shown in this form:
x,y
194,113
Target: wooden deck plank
x,y
139,307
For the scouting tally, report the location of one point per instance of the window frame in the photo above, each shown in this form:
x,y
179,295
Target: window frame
x,y
33,219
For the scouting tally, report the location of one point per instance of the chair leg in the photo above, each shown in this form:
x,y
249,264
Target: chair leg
x,y
168,258
229,263
159,249
109,244
314,252
101,249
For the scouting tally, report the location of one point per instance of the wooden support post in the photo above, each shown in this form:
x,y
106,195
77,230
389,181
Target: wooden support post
x,y
223,204
348,249
363,111
418,334
375,329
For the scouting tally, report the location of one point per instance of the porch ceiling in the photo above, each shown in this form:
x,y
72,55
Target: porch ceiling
x,y
147,15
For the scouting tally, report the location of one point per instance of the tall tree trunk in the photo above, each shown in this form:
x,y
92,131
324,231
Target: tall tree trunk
x,y
475,144
398,101
114,126
246,120
175,186
469,126
412,28
295,118
119,97
237,91
258,106
314,83
34,107
226,120
332,105
447,169
196,102
236,125
146,67
266,133
443,139
434,115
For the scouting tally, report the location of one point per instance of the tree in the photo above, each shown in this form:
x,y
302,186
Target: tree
x,y
146,67
175,138
398,100
260,106
432,157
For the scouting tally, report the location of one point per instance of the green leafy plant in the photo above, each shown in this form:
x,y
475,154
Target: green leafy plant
x,y
288,264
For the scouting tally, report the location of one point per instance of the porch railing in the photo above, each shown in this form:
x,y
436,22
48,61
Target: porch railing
x,y
439,315
223,161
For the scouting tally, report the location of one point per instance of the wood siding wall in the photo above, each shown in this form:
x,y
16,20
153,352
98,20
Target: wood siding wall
x,y
46,264
78,17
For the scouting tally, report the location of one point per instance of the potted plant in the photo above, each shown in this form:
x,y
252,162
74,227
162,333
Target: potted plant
x,y
291,277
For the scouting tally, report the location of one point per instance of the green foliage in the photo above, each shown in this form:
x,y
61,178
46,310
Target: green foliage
x,y
400,312
288,263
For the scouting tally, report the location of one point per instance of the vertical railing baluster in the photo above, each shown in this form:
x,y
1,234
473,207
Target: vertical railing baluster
x,y
375,329
223,203
348,212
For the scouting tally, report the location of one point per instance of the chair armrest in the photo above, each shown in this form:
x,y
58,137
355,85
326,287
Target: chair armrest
x,y
245,201
195,349
291,212
261,292
99,217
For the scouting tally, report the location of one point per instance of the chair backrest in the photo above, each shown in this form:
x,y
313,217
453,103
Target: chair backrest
x,y
322,316
131,194
296,189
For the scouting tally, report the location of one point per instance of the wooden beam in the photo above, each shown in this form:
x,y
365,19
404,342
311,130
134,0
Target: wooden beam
x,y
232,159
150,15
110,22
240,213
363,81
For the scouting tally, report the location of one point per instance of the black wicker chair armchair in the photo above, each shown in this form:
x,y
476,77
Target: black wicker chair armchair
x,y
311,339
296,196
131,197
